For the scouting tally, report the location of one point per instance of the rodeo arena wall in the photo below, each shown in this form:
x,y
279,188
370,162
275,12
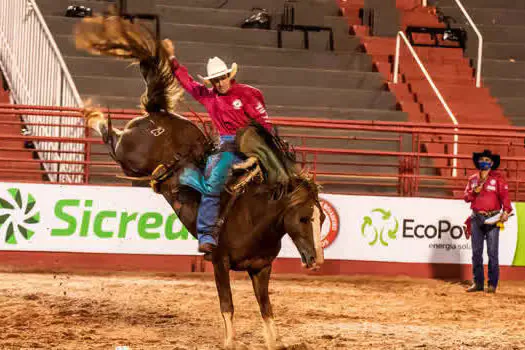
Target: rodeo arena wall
x,y
90,228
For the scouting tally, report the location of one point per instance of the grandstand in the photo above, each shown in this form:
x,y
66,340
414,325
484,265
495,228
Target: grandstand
x,y
501,23
351,84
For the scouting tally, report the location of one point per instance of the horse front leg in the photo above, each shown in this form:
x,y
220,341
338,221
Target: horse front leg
x,y
222,280
260,282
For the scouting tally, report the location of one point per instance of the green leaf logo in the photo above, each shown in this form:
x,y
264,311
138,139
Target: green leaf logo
x,y
18,216
380,226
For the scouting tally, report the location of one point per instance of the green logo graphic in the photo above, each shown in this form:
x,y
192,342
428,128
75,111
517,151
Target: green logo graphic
x,y
379,222
17,217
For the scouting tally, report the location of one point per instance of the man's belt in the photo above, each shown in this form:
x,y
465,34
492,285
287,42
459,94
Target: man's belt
x,y
228,147
487,213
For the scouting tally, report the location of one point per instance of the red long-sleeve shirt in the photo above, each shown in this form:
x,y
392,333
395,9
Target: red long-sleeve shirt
x,y
229,112
493,196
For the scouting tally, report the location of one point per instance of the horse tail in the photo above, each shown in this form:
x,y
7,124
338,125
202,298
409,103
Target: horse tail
x,y
96,120
114,36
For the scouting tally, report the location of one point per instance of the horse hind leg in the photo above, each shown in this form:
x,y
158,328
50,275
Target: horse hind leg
x,y
96,120
260,281
222,281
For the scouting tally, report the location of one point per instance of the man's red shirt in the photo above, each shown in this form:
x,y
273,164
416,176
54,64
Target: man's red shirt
x,y
493,196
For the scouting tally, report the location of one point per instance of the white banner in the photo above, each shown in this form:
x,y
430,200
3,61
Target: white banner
x,y
90,219
125,220
418,230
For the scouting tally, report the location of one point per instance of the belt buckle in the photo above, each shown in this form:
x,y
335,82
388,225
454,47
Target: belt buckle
x,y
488,213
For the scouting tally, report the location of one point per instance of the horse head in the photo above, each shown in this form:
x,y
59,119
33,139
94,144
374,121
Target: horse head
x,y
303,219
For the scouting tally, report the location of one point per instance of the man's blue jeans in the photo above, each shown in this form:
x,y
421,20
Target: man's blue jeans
x,y
480,233
210,185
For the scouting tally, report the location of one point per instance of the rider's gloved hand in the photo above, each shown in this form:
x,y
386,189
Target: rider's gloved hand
x,y
167,44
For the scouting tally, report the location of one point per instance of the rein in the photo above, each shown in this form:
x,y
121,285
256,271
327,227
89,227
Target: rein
x,y
137,178
203,123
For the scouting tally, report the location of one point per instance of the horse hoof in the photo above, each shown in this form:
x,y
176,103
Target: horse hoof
x,y
278,345
240,346
207,257
230,346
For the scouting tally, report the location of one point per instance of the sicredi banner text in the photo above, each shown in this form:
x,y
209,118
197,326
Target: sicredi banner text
x,y
123,220
90,219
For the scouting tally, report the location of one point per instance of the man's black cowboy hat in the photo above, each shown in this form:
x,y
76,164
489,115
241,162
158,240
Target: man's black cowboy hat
x,y
486,153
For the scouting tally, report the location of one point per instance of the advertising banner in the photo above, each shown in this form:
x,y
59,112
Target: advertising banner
x,y
61,218
90,219
416,230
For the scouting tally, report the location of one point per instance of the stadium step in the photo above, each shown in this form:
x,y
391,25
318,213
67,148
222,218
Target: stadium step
x,y
286,76
220,34
455,79
251,55
488,16
501,23
486,4
505,87
503,69
278,95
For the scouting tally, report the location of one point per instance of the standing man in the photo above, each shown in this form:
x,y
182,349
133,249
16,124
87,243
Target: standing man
x,y
231,106
488,193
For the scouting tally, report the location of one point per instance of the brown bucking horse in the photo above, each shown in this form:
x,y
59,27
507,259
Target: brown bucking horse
x,y
159,144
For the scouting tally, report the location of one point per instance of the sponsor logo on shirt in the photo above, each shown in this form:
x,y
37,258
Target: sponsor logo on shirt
x,y
260,108
491,188
237,104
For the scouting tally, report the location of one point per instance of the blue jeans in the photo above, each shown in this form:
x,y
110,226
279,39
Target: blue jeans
x,y
480,233
210,185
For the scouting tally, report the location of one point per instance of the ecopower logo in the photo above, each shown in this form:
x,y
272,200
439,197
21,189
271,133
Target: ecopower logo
x,y
18,216
380,226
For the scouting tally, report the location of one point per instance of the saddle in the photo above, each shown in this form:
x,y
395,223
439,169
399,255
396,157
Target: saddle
x,y
269,159
241,175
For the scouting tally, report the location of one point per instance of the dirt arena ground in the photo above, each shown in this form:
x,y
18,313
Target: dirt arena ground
x,y
66,311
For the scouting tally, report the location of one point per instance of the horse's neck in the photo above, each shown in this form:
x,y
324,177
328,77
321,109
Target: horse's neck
x,y
265,215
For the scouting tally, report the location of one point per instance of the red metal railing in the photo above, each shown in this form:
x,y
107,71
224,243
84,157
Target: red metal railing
x,y
347,156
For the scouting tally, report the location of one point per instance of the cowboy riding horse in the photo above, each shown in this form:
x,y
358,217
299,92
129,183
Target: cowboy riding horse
x,y
266,198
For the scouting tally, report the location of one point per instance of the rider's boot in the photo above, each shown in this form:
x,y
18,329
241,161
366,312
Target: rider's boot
x,y
207,242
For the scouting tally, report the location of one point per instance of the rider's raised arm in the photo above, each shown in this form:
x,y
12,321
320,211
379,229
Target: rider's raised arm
x,y
255,108
195,89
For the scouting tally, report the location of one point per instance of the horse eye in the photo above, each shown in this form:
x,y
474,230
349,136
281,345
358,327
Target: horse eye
x,y
304,219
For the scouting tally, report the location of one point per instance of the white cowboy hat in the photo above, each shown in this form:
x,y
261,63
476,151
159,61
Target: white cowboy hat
x,y
217,68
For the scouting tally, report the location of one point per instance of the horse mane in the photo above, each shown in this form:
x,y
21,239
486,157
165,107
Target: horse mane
x,y
114,36
302,189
